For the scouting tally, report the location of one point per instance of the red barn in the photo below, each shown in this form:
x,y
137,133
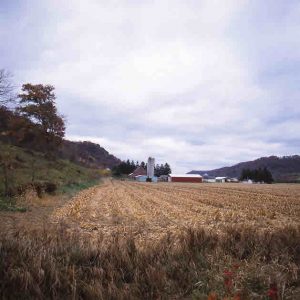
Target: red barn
x,y
185,178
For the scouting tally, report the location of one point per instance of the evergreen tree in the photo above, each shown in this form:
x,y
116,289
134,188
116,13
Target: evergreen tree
x,y
157,170
167,169
257,175
162,169
268,178
132,166
125,168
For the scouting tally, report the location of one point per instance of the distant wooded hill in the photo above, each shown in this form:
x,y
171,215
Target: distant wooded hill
x,y
283,169
87,154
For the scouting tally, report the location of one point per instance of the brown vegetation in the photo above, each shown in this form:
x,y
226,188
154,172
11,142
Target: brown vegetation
x,y
53,263
125,240
149,211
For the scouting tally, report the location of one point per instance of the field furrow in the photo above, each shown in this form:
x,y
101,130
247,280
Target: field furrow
x,y
149,211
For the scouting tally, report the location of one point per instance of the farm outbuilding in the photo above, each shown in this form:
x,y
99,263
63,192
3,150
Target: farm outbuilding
x,y
143,178
185,178
138,172
163,178
221,179
144,175
208,178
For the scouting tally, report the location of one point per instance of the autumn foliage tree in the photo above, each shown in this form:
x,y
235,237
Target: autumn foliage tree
x,y
37,104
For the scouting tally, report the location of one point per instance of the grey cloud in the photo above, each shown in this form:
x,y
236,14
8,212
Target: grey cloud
x,y
200,84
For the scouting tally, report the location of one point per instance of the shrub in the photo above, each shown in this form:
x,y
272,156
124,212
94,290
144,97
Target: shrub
x,y
50,187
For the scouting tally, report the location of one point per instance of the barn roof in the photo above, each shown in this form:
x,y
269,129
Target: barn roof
x,y
138,171
186,175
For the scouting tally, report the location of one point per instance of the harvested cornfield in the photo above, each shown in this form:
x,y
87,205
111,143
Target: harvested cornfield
x,y
128,240
149,211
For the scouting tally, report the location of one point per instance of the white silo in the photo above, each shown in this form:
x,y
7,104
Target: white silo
x,y
150,167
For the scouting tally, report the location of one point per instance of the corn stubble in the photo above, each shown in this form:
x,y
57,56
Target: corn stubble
x,y
124,240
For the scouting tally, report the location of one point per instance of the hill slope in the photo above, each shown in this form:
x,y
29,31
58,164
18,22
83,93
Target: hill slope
x,y
87,154
286,168
28,166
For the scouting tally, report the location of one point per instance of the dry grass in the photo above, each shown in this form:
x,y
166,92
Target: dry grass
x,y
126,240
53,263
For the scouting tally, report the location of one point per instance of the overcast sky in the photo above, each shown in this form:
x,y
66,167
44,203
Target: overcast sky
x,y
199,84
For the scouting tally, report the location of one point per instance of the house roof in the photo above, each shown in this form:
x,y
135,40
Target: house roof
x,y
138,171
206,176
186,175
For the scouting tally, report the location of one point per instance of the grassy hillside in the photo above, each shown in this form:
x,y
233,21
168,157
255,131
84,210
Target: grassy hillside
x,y
29,166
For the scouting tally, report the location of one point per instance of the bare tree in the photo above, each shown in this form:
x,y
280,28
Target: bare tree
x,y
6,87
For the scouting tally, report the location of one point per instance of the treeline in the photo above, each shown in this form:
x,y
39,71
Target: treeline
x,y
127,167
163,169
257,175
